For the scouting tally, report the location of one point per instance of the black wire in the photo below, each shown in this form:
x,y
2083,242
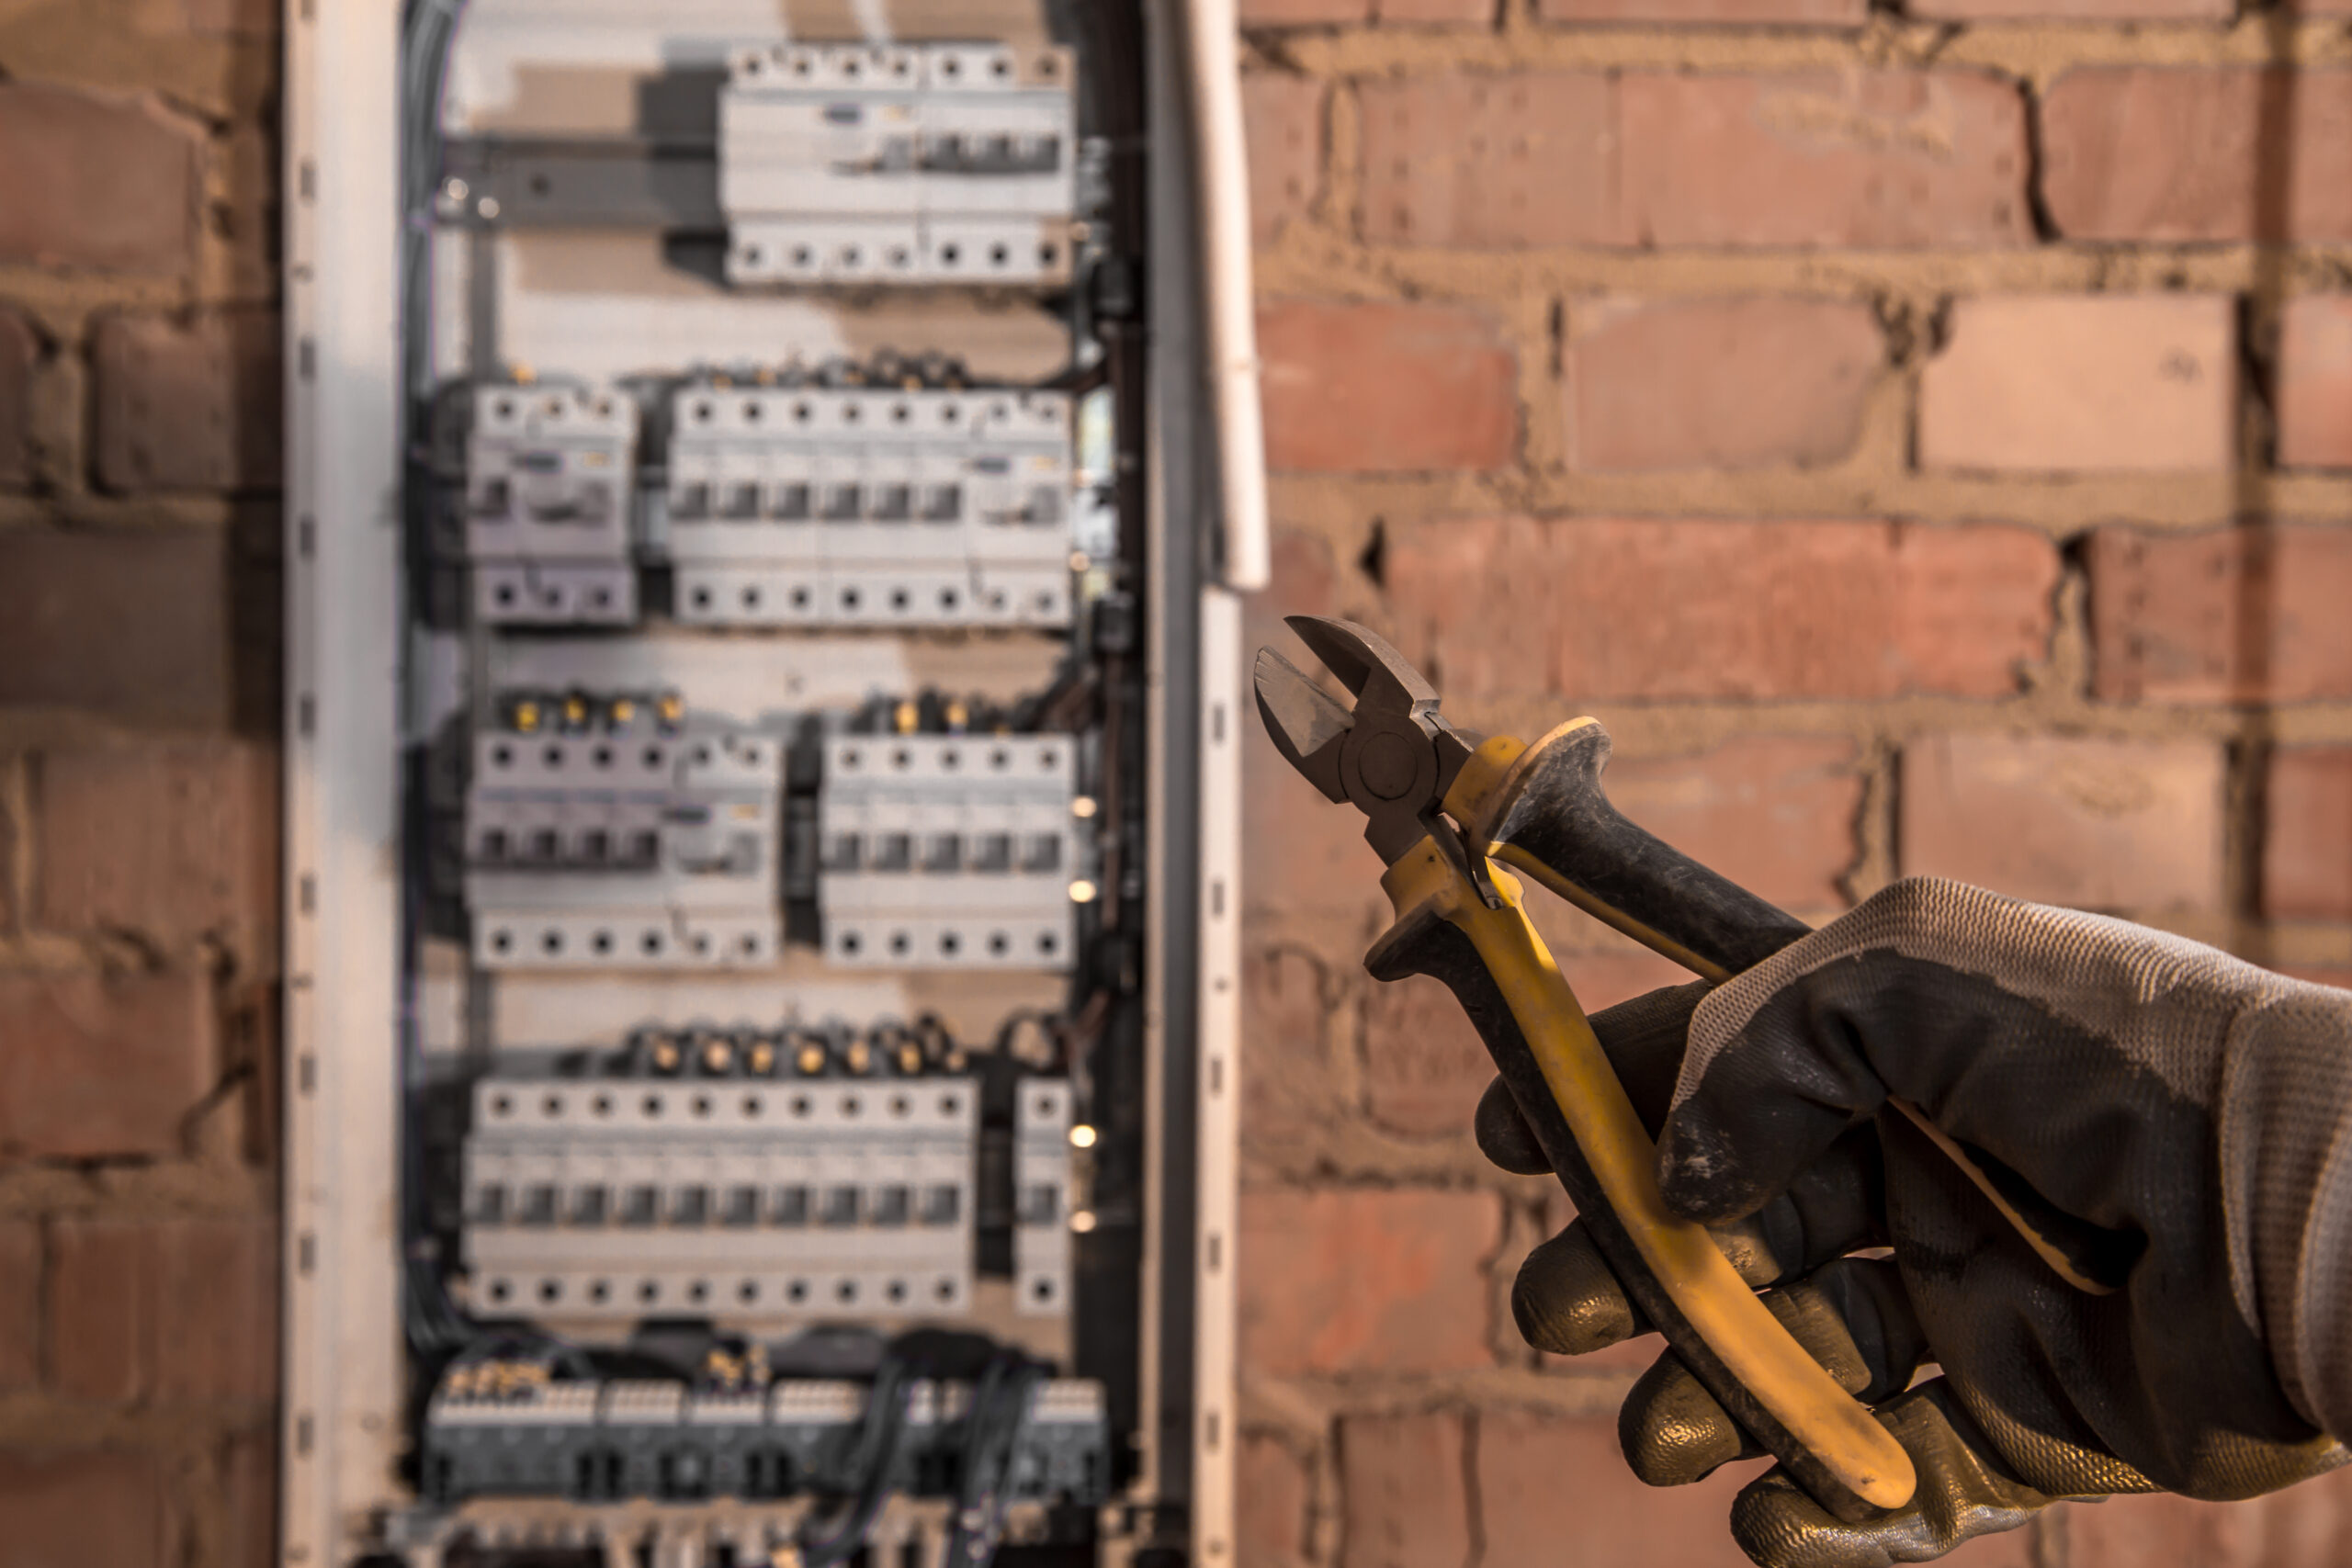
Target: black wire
x,y
881,1442
435,1327
999,1415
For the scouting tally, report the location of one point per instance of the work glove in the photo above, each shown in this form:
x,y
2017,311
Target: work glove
x,y
2190,1112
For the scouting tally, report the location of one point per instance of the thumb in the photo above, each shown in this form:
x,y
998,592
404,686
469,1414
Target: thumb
x,y
1777,1070
1892,996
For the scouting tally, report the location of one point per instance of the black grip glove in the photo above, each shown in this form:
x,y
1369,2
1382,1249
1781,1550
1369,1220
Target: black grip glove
x,y
2193,1109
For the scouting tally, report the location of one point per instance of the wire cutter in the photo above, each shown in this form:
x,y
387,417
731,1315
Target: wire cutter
x,y
1447,811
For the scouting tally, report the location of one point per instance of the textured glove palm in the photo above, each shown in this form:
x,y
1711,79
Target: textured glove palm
x,y
2196,1110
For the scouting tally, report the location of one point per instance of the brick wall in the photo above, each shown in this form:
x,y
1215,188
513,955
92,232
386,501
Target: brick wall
x,y
1922,438
1922,433
139,455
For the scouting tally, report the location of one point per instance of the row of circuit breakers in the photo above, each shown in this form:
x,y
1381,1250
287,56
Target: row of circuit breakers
x,y
802,1173
606,1440
619,831
791,499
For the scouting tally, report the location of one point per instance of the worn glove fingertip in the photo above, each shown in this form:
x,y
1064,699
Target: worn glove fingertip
x,y
1673,1431
1566,1301
1504,1136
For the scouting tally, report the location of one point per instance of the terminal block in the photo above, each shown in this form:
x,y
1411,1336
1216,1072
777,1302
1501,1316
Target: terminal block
x,y
950,850
932,164
610,831
842,506
771,1175
1044,1213
550,472
594,1440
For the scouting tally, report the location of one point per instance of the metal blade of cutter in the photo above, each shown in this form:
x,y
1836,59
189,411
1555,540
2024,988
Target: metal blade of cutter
x,y
1365,664
1305,722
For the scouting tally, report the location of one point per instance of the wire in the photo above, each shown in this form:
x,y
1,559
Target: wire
x,y
874,1461
434,1326
999,1415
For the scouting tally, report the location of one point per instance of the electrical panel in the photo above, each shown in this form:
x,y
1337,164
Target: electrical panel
x,y
779,931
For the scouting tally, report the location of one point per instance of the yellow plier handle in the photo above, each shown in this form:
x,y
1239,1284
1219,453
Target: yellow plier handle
x,y
1671,1267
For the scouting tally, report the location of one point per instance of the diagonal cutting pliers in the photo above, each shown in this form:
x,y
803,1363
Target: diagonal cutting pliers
x,y
1447,811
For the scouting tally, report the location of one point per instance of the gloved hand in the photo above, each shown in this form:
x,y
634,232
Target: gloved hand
x,y
2196,1110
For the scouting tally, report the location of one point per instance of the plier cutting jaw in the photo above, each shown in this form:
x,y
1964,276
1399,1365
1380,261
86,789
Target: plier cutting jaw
x,y
1393,756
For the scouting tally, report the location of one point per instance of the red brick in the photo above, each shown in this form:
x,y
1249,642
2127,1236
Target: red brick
x,y
2103,383
19,350
1604,979
2307,835
2316,382
21,1283
2116,824
1303,13
232,19
1557,1490
2224,616
1377,387
1406,1494
175,842
1360,1279
1271,1490
1492,163
99,1302
2071,10
1303,578
1733,12
99,1065
134,625
72,1510
2156,153
1424,12
1720,383
2303,1527
59,145
1775,813
1424,1066
1283,117
249,1486
189,404
1883,160
1286,1093
1593,609
175,1310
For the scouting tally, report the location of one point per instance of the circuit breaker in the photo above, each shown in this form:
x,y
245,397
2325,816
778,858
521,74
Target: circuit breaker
x,y
924,163
759,1050
915,506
